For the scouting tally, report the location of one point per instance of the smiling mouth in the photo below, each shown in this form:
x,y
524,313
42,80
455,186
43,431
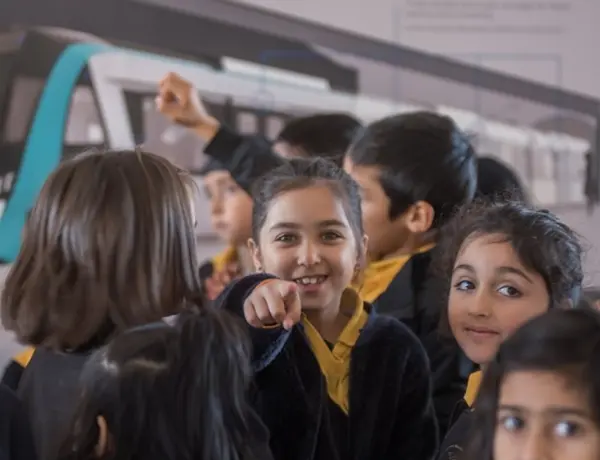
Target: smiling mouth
x,y
310,280
481,332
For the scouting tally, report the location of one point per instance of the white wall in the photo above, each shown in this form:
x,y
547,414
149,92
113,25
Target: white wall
x,y
587,227
544,40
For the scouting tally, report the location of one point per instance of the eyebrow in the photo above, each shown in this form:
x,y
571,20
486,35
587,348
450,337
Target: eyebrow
x,y
500,270
296,226
553,410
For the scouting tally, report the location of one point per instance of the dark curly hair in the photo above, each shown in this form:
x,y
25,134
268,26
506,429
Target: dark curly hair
x,y
542,242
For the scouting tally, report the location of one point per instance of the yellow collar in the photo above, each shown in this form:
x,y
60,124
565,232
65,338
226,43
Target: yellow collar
x,y
335,362
224,258
473,387
379,274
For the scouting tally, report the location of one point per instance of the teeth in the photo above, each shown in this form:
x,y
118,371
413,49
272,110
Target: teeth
x,y
306,280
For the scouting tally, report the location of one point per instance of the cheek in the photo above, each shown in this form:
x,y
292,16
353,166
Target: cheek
x,y
456,307
373,218
239,210
502,444
513,316
277,261
346,261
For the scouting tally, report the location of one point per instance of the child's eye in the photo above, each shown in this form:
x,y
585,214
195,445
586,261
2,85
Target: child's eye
x,y
286,238
231,189
512,423
331,236
509,291
464,285
566,429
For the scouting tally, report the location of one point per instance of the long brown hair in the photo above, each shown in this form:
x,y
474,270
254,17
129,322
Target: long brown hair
x,y
108,245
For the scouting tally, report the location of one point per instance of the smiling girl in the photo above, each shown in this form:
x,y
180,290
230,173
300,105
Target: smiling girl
x,y
333,379
505,264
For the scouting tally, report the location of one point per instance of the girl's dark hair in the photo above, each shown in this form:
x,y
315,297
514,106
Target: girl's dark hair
x,y
170,392
563,341
542,242
109,244
302,173
496,181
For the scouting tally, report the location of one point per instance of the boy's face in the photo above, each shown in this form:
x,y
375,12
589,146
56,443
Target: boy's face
x,y
230,208
385,236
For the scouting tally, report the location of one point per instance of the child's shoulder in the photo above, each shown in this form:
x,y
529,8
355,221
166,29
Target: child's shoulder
x,y
387,331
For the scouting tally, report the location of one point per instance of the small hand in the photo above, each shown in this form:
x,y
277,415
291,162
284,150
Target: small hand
x,y
274,302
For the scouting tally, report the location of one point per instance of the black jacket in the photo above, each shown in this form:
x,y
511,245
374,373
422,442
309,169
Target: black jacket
x,y
16,441
458,435
391,415
415,297
49,389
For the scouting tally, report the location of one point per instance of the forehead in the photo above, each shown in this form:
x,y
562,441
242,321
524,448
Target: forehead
x,y
217,177
489,249
306,206
362,174
537,390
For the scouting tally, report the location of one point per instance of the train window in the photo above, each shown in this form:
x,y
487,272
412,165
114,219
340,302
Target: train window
x,y
274,126
247,123
83,123
159,135
23,101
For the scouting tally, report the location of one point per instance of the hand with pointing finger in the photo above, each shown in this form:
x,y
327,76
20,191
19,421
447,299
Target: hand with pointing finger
x,y
275,302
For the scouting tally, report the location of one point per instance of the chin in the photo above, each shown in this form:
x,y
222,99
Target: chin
x,y
313,302
479,358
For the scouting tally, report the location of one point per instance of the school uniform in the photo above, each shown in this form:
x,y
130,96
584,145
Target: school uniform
x,y
462,424
16,442
49,391
401,287
404,288
366,397
14,370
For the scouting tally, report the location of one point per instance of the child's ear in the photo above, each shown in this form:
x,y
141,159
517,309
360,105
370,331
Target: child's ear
x,y
102,444
256,256
419,217
363,252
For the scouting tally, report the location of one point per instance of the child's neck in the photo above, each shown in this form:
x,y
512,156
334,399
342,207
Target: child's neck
x,y
244,258
331,321
412,244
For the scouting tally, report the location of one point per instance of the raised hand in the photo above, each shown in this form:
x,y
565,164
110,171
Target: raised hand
x,y
179,101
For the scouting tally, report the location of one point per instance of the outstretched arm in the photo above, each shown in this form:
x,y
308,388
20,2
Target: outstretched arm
x,y
270,306
245,157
